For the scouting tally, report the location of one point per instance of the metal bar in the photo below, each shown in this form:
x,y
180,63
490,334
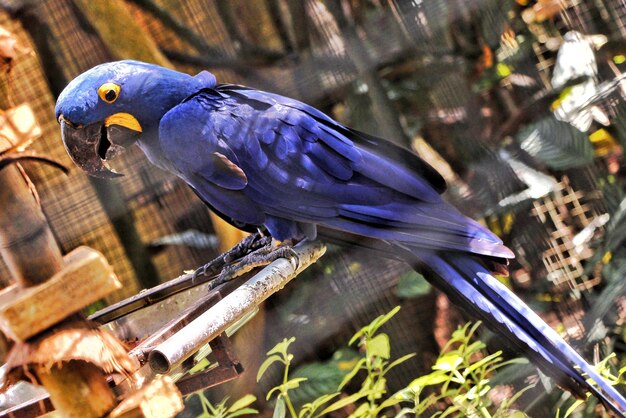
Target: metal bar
x,y
141,351
213,322
228,368
34,407
148,297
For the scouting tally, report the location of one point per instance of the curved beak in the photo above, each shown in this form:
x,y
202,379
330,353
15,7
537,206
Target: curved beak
x,y
90,146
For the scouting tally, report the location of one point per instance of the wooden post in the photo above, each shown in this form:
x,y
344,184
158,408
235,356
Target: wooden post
x,y
32,255
77,389
26,243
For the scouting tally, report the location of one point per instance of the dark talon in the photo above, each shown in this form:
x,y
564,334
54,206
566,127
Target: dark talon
x,y
247,245
288,253
265,254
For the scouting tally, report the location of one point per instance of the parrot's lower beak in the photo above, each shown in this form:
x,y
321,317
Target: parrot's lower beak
x,y
90,146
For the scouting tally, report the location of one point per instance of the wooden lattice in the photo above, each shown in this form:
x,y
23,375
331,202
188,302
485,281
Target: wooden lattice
x,y
565,213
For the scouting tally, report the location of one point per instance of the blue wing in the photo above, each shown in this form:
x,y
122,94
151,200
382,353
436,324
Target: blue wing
x,y
261,158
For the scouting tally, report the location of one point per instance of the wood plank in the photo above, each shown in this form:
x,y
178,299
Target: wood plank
x,y
85,278
77,389
157,399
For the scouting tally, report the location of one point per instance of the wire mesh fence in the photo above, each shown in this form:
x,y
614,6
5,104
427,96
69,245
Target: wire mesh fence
x,y
455,71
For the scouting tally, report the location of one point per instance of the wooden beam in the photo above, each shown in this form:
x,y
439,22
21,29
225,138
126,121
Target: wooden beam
x,y
33,256
158,399
85,279
26,242
77,389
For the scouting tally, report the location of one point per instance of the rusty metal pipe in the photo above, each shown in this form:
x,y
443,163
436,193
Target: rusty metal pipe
x,y
233,307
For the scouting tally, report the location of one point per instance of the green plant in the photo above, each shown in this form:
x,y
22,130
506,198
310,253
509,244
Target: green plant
x,y
458,383
279,354
582,405
221,410
457,386
375,363
460,379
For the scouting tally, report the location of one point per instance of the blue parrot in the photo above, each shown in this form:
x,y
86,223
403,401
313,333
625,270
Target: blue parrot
x,y
261,159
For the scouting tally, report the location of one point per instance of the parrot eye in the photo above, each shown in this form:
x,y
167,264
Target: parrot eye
x,y
109,92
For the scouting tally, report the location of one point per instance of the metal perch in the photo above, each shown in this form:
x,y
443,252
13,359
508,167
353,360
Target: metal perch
x,y
214,321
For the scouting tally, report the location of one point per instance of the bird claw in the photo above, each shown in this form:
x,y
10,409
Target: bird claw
x,y
258,258
247,245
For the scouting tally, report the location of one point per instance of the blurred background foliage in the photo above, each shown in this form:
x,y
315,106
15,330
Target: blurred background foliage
x,y
520,105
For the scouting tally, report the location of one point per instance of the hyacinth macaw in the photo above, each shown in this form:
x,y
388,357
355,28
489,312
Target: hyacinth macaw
x,y
261,159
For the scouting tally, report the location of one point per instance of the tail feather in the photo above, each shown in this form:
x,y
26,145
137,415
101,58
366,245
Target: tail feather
x,y
466,280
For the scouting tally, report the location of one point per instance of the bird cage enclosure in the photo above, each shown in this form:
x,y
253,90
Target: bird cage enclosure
x,y
472,87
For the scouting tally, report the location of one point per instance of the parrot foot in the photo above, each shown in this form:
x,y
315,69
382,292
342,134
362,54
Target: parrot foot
x,y
249,244
258,258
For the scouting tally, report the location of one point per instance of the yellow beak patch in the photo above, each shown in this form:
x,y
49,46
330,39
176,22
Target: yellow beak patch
x,y
123,119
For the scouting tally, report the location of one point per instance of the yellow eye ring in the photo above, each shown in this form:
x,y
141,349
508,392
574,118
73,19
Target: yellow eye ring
x,y
109,92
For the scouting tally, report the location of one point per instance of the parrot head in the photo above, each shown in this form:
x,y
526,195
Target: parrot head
x,y
112,106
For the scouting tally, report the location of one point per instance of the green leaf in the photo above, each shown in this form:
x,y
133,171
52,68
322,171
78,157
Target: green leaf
x,y
518,360
398,361
379,346
305,411
203,398
404,395
361,411
473,329
243,411
405,412
322,378
412,285
571,409
280,411
358,335
505,405
389,402
426,404
357,367
200,366
434,378
214,410
492,358
281,347
267,363
558,144
474,347
380,388
325,398
516,414
448,362
242,403
343,402
317,403
381,320
271,392
293,383
450,410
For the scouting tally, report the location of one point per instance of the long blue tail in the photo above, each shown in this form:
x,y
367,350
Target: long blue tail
x,y
467,281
